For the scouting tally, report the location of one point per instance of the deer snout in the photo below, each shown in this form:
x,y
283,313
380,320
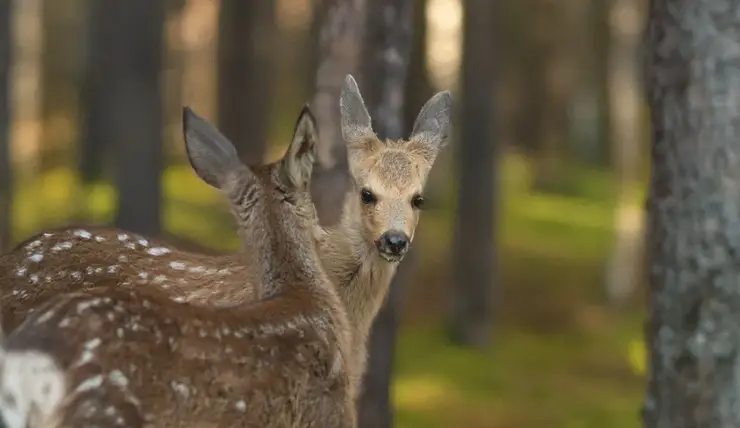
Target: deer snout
x,y
393,244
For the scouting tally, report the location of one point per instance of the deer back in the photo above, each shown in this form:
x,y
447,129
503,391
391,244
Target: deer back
x,y
278,362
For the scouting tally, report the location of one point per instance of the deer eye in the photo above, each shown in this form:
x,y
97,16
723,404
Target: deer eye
x,y
417,201
367,197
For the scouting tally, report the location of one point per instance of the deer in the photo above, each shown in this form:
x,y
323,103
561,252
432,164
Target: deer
x,y
360,254
116,356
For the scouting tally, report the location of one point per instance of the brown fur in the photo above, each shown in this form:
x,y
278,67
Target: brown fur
x,y
394,171
135,357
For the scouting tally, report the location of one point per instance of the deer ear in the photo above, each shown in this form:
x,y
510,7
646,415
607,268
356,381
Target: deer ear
x,y
298,161
356,123
432,126
210,153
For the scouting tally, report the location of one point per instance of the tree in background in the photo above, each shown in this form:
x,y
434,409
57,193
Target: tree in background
x,y
124,103
625,266
474,247
245,74
6,182
386,55
339,28
694,94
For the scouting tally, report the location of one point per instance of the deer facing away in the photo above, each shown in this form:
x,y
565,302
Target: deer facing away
x,y
360,254
115,356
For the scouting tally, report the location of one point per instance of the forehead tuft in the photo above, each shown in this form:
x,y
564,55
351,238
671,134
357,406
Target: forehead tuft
x,y
397,169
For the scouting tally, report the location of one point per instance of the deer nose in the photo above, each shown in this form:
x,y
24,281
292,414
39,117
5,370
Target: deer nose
x,y
393,243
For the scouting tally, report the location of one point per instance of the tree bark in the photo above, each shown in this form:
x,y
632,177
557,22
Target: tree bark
x,y
340,34
474,263
623,273
6,165
694,94
245,74
125,104
386,57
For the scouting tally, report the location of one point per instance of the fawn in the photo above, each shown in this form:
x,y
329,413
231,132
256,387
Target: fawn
x,y
360,254
115,356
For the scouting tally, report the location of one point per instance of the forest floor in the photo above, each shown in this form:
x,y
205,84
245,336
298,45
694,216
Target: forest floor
x,y
559,357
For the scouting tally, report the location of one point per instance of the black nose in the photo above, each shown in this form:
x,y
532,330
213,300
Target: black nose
x,y
393,242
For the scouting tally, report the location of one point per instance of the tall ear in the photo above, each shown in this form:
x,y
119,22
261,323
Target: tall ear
x,y
432,126
356,123
210,153
297,163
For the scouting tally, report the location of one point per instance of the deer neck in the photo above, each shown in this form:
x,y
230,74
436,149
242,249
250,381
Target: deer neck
x,y
282,252
361,276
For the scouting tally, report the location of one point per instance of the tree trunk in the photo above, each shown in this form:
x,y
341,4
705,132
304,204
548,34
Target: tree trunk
x,y
246,30
624,269
6,181
386,57
340,32
474,241
693,333
125,107
419,88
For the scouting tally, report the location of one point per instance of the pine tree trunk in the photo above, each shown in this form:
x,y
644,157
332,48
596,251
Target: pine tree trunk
x,y
474,240
6,181
694,324
340,29
125,107
245,71
387,51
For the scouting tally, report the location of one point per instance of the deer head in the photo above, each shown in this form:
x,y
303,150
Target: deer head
x,y
257,195
389,176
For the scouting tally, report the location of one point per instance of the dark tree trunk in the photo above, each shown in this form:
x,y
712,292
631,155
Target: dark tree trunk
x,y
125,107
385,65
245,74
694,324
475,256
6,182
418,87
340,28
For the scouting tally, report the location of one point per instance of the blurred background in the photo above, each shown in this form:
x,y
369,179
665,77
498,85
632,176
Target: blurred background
x,y
522,302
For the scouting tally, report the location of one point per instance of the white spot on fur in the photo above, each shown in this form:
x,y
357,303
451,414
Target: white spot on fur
x,y
47,235
160,278
224,272
177,265
122,258
75,275
179,299
84,234
89,270
119,333
143,242
61,246
130,245
158,251
98,270
113,269
89,383
118,378
88,352
100,238
122,237
33,381
34,279
32,245
241,406
37,257
197,269
143,275
181,389
20,271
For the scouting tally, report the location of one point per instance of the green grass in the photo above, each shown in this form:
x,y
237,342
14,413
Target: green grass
x,y
558,357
